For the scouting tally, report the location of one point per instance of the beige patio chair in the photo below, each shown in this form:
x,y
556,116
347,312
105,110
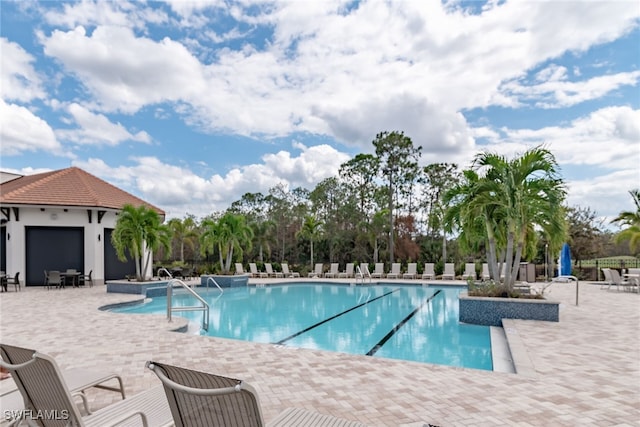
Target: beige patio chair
x,y
485,271
395,271
429,272
333,271
378,270
348,271
240,268
618,281
412,271
287,272
608,280
270,272
317,272
449,271
469,271
201,399
254,271
45,391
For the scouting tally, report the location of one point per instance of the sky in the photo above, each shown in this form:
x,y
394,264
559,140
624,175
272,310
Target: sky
x,y
191,104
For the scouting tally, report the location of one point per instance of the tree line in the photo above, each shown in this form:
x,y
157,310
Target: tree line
x,y
384,207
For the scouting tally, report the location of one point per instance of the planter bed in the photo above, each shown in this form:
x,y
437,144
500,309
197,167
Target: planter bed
x,y
490,311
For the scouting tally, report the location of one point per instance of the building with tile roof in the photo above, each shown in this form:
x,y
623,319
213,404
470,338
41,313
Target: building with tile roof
x,y
59,220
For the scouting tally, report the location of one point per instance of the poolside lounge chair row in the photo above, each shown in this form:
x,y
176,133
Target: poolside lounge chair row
x,y
269,271
186,398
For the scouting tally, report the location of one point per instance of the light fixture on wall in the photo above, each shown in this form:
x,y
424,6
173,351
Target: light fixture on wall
x,y
8,236
98,237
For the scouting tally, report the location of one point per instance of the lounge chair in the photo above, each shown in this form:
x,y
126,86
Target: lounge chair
x,y
317,272
618,281
270,273
412,271
449,271
348,270
333,271
378,270
240,268
45,391
287,273
469,271
254,271
200,399
608,280
429,272
395,271
485,271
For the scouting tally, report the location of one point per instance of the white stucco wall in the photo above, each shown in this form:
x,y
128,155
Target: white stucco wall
x,y
46,216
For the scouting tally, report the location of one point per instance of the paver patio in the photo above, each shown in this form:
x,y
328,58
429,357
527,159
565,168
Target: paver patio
x,y
585,369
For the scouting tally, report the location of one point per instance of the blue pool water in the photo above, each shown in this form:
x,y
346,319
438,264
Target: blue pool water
x,y
394,321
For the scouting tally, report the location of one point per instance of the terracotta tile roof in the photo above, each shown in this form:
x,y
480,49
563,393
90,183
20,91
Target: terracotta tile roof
x,y
67,187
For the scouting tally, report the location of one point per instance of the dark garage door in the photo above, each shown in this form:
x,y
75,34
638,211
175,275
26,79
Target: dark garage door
x,y
114,269
52,248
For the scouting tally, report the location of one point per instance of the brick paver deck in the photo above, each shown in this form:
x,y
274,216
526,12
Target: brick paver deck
x,y
585,370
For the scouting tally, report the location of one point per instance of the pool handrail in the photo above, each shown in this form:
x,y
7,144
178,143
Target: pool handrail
x,y
360,273
215,283
204,308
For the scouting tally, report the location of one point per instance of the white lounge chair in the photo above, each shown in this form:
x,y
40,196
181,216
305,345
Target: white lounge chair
x,y
240,268
318,270
253,268
412,271
469,271
270,273
287,272
333,271
395,271
201,399
348,271
44,391
449,271
378,270
485,271
429,271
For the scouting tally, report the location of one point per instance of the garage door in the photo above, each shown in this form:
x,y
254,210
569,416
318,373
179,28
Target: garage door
x,y
114,269
52,248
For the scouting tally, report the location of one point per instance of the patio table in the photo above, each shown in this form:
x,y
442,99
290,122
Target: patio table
x,y
73,275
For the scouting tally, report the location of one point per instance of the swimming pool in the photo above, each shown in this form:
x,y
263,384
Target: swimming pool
x,y
408,322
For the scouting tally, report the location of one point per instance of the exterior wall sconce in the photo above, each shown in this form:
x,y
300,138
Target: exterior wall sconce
x,y
98,237
8,236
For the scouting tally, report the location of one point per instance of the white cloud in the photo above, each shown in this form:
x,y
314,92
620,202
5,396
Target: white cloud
x,y
180,191
22,131
556,92
19,81
97,129
119,13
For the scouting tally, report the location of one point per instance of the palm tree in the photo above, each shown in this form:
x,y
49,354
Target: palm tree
x,y
512,198
184,231
228,234
139,232
262,237
632,220
312,230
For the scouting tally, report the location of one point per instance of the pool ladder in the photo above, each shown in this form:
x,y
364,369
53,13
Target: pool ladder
x,y
362,273
204,307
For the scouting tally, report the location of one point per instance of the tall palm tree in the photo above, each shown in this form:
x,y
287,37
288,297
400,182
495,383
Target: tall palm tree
x,y
262,237
513,198
311,230
184,231
139,231
228,234
632,220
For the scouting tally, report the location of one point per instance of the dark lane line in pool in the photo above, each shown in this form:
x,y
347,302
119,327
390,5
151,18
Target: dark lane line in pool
x,y
333,317
392,332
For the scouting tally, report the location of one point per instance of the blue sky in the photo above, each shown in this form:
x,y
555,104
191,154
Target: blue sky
x,y
191,104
